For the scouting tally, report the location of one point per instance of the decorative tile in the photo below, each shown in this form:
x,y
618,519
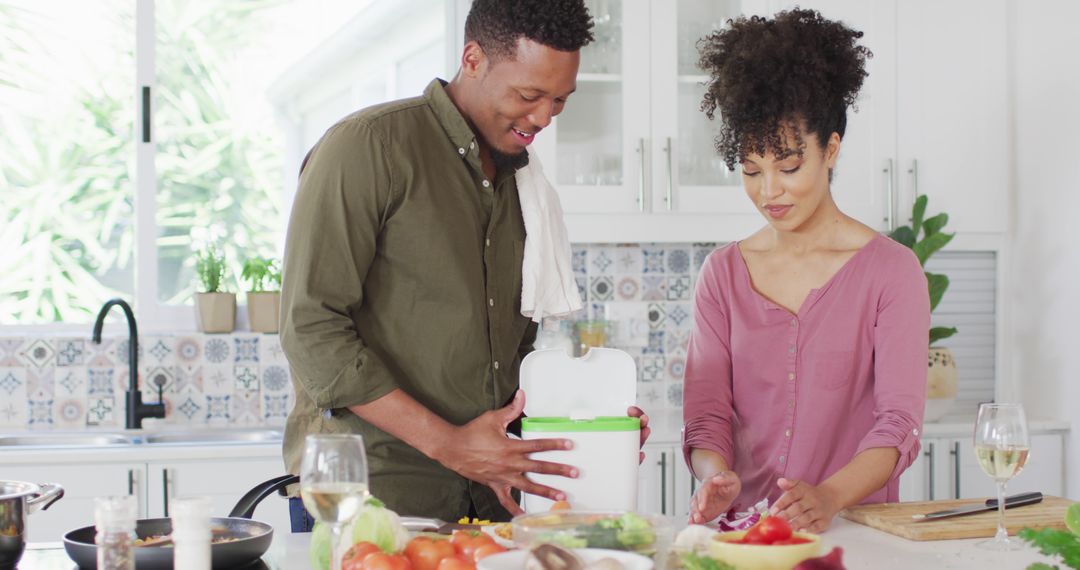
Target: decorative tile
x,y
13,411
701,251
676,342
70,382
159,377
189,350
652,259
653,288
39,354
70,413
275,378
70,352
100,382
652,368
218,380
187,406
187,378
601,261
246,377
679,316
100,411
40,412
656,342
218,409
650,397
601,289
121,352
158,350
582,286
246,408
217,350
270,351
40,381
103,354
628,260
577,258
678,288
656,316
247,349
676,368
276,408
628,288
12,380
675,395
678,260
9,351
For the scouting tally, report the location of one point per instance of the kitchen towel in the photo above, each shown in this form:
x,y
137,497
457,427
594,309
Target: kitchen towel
x,y
548,288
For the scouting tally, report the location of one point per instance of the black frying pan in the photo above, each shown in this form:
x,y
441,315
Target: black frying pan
x,y
253,538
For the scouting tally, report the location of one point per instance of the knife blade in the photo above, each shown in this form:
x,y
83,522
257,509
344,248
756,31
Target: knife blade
x,y
990,505
439,526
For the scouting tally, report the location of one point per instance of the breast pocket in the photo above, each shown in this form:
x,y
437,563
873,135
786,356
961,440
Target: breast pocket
x,y
835,369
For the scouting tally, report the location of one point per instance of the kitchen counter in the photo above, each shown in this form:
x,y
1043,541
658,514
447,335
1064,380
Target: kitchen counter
x,y
864,548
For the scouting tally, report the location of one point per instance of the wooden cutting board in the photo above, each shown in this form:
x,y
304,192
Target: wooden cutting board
x,y
895,518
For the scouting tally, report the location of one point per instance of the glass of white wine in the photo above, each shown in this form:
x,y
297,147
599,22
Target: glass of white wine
x,y
1001,447
334,482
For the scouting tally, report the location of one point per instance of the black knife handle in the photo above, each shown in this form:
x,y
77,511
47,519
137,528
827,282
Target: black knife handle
x,y
1018,500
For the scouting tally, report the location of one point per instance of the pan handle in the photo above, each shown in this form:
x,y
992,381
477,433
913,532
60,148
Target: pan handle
x,y
245,507
50,493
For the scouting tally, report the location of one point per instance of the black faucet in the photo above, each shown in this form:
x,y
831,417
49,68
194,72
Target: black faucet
x,y
136,409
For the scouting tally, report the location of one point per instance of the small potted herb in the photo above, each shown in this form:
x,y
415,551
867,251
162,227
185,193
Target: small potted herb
x,y
942,377
215,310
264,295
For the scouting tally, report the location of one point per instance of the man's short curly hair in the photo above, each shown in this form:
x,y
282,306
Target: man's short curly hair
x,y
796,70
497,25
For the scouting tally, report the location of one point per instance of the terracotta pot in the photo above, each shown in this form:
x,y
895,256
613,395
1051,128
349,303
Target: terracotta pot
x,y
941,381
215,312
262,310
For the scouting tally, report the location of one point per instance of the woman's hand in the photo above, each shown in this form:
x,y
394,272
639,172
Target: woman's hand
x,y
714,497
804,506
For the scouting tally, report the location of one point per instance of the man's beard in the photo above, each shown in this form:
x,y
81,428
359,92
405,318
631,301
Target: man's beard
x,y
503,160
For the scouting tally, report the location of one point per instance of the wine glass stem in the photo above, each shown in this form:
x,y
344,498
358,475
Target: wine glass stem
x,y
1002,534
335,542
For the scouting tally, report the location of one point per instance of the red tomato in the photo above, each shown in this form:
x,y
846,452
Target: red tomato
x,y
381,561
773,529
456,563
425,553
487,550
754,535
467,541
354,557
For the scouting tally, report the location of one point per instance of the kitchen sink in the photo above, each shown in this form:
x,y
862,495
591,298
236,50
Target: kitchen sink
x,y
66,440
212,436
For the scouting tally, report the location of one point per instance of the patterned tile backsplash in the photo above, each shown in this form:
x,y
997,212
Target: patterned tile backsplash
x,y
242,379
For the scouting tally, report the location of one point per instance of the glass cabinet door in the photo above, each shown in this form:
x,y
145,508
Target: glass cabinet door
x,y
688,175
595,150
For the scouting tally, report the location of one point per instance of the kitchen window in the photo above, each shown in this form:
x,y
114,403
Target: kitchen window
x,y
136,131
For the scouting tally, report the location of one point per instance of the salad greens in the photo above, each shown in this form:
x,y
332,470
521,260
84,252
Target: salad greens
x,y
628,532
1064,544
691,561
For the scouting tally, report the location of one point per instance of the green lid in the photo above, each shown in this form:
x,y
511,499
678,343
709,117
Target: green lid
x,y
622,423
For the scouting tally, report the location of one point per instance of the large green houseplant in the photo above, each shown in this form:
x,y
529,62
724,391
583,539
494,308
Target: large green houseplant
x,y
264,295
925,237
215,310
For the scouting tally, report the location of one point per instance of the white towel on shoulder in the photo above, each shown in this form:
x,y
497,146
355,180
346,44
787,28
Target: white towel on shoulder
x,y
548,288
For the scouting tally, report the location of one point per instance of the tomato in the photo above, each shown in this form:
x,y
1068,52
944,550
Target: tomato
x,y
354,556
425,553
381,561
456,563
467,541
773,529
487,550
754,535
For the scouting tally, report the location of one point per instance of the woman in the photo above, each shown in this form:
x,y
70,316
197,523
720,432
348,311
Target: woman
x,y
806,372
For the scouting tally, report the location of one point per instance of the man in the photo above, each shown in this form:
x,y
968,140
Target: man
x,y
401,300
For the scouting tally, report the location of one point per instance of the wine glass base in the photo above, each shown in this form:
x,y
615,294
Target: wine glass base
x,y
1002,544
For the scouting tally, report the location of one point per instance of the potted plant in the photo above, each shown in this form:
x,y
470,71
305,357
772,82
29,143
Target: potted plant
x,y
215,310
941,378
264,296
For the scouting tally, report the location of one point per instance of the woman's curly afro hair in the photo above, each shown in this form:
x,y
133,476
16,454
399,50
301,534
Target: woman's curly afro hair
x,y
497,25
795,70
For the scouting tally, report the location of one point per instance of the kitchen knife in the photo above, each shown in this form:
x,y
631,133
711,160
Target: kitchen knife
x,y
990,505
439,526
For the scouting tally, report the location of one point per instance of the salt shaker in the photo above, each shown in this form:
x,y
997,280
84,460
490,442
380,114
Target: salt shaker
x,y
191,532
114,520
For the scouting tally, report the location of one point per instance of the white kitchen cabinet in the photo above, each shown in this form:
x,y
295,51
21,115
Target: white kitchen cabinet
x,y
947,469
664,482
223,481
82,482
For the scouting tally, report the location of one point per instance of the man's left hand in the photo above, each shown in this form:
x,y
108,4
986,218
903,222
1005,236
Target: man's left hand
x,y
805,507
636,412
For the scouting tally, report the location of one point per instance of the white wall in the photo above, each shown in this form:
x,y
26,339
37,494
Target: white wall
x,y
1045,254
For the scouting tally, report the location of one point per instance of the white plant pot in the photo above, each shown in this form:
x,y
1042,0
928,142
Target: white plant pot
x,y
215,312
941,384
263,310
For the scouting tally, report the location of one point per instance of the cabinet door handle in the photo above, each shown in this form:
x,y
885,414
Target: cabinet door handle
x,y
955,453
929,453
663,482
165,490
914,172
890,198
131,481
641,175
668,199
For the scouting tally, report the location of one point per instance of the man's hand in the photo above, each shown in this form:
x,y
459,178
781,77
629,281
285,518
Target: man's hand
x,y
481,451
636,412
714,497
804,506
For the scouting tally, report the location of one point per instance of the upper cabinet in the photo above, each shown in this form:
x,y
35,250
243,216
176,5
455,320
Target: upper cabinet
x,y
633,156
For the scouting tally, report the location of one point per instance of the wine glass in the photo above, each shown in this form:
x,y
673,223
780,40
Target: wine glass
x,y
1001,447
334,482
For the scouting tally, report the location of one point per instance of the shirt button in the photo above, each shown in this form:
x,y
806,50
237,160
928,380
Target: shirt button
x,y
486,184
491,302
496,365
791,349
787,433
487,242
781,459
794,322
472,145
461,151
791,403
915,431
791,376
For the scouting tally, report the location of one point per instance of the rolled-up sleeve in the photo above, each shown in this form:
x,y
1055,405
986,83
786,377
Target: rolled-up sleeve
x,y
707,394
340,207
901,333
